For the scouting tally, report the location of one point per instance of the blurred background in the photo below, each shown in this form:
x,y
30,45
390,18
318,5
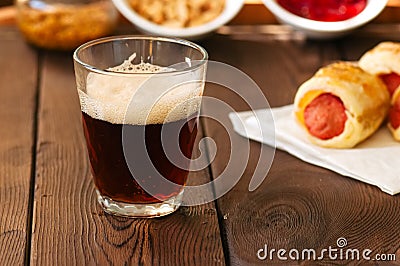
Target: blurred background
x,y
5,2
68,25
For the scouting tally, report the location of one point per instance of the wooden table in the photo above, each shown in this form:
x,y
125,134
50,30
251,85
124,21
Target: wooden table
x,y
48,209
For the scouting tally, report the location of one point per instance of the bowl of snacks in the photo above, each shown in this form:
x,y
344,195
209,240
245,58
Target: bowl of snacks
x,y
324,19
65,24
190,19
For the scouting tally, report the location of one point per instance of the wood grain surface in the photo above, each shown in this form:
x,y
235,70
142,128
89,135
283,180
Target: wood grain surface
x,y
298,205
17,116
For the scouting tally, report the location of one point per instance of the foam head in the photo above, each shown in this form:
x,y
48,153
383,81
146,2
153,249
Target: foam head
x,y
140,94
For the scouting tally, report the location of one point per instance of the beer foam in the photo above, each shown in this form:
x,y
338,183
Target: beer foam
x,y
128,67
141,99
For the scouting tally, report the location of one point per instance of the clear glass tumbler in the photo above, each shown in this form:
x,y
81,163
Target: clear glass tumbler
x,y
140,100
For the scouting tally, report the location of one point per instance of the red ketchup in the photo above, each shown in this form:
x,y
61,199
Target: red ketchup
x,y
324,10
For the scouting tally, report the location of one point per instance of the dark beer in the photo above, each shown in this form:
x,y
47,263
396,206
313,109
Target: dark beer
x,y
111,173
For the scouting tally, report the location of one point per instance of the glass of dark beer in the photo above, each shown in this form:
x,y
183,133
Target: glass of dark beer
x,y
140,99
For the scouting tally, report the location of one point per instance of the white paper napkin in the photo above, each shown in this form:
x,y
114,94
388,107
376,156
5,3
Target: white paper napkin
x,y
375,161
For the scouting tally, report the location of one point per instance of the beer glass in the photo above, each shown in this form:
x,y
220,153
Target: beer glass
x,y
140,99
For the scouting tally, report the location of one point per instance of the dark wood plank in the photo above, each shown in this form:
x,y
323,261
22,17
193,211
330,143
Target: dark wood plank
x,y
69,226
16,132
363,40
298,205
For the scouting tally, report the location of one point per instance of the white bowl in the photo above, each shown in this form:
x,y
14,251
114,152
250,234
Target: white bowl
x,y
232,7
325,30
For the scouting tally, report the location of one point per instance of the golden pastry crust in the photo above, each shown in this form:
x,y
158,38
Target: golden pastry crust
x,y
364,97
382,59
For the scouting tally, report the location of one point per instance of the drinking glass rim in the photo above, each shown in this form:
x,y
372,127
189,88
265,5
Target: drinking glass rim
x,y
92,68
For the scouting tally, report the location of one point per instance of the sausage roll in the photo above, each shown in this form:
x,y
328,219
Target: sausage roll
x,y
341,105
384,61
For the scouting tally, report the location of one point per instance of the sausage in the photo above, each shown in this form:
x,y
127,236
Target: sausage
x,y
392,81
325,116
394,114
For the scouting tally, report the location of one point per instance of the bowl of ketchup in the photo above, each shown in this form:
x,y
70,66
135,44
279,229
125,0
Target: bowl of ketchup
x,y
324,19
